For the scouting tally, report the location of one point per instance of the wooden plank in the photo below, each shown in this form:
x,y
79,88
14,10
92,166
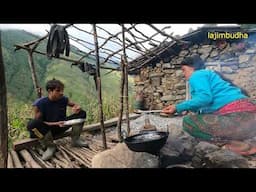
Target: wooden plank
x,y
28,142
29,159
16,160
3,114
24,143
10,161
42,163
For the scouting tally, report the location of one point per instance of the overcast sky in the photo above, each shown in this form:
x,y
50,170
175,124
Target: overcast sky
x,y
41,29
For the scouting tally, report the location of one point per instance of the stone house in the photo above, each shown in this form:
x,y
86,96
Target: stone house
x,y
229,50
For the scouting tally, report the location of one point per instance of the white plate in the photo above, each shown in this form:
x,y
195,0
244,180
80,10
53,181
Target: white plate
x,y
74,121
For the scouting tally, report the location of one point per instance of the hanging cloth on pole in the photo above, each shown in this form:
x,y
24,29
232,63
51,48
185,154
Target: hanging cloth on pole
x,y
58,41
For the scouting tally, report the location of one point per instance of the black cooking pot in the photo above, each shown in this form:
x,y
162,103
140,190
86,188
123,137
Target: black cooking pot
x,y
150,141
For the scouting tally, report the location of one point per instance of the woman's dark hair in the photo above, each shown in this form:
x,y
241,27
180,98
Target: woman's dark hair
x,y
194,61
53,84
228,80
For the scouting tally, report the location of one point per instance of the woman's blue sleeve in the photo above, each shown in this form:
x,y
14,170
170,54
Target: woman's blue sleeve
x,y
200,92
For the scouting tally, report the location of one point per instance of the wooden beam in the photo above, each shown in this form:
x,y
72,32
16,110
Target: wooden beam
x,y
125,65
3,114
119,123
29,159
61,58
16,160
33,73
99,86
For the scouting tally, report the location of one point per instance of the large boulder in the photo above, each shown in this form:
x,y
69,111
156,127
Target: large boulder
x,y
121,156
179,147
200,151
225,159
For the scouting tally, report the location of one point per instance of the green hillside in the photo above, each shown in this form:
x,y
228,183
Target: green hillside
x,y
79,86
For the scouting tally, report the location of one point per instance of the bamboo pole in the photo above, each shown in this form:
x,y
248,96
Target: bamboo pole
x,y
99,86
3,114
126,82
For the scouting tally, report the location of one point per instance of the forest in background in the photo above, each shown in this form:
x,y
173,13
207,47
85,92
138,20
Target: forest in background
x,y
79,86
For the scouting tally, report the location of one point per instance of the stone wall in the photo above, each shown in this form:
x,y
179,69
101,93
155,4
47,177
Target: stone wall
x,y
164,84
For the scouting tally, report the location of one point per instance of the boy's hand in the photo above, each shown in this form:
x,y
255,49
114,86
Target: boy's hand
x,y
76,109
60,123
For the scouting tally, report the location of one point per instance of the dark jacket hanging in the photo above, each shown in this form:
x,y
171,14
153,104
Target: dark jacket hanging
x,y
58,41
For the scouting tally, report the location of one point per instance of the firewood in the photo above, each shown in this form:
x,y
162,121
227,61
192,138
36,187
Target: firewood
x,y
10,161
16,160
28,158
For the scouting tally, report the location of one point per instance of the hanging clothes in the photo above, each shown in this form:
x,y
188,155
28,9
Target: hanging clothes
x,y
58,42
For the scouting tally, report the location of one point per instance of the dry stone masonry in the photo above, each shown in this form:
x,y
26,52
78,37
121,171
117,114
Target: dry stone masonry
x,y
164,83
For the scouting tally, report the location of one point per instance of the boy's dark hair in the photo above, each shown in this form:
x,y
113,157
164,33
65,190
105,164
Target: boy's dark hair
x,y
194,61
53,84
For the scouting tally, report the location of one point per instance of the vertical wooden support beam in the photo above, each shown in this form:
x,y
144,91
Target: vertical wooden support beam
x,y
126,81
33,73
99,86
3,113
119,123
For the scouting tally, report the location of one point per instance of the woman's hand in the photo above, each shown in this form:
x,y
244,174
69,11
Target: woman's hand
x,y
76,109
169,109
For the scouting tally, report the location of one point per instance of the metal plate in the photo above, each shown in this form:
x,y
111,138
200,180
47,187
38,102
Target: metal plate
x,y
74,121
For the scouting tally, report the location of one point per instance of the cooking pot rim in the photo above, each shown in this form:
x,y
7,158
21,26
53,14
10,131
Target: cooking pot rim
x,y
161,133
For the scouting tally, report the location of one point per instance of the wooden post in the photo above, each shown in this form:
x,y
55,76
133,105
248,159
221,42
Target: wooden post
x,y
126,97
33,72
3,114
99,86
126,82
119,123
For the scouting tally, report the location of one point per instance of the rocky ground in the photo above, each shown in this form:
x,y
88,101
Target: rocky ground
x,y
181,150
